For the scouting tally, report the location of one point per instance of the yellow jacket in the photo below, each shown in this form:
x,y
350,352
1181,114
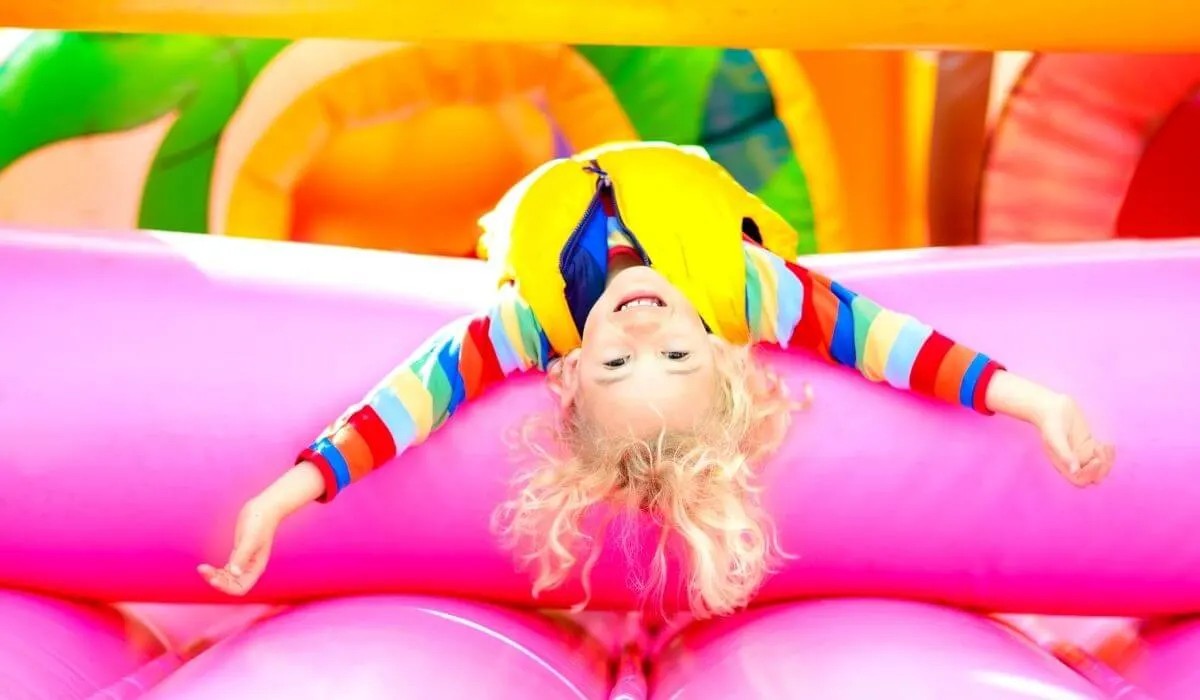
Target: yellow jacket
x,y
682,208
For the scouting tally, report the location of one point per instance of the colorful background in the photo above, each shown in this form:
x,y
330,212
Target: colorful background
x,y
374,144
403,146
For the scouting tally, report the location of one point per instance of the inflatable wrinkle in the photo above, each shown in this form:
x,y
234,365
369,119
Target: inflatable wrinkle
x,y
185,378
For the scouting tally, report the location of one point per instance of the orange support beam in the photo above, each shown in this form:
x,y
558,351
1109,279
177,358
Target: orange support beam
x,y
1083,25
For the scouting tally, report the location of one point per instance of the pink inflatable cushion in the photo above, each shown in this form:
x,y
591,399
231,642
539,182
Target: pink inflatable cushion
x,y
158,381
860,650
54,650
392,648
1167,664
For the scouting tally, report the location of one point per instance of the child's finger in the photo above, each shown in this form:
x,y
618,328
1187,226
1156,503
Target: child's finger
x,y
219,579
242,558
1089,474
1098,466
209,573
1095,466
1061,453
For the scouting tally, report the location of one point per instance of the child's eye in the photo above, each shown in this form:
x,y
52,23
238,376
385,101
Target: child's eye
x,y
676,354
616,362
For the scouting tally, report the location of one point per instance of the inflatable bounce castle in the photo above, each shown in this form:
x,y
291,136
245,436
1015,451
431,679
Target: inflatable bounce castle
x,y
150,381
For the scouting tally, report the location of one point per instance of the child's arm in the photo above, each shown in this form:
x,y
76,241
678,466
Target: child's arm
x,y
795,307
792,306
455,365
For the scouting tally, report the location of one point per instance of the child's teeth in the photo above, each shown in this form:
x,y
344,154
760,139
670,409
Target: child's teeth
x,y
640,302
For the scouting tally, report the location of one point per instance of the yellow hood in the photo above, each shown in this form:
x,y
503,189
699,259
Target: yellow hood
x,y
684,209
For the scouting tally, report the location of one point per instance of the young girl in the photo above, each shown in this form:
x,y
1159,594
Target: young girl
x,y
636,275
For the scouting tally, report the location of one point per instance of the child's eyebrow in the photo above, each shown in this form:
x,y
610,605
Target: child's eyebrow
x,y
674,369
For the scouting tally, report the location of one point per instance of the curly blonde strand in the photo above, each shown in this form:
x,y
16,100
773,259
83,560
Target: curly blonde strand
x,y
702,483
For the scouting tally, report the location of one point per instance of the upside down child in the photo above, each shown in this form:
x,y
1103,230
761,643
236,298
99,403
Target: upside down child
x,y
638,277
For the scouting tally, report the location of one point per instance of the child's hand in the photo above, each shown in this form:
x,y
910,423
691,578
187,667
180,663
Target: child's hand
x,y
1066,435
1069,442
256,526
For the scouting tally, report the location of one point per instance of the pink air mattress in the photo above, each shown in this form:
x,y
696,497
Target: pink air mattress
x,y
396,647
151,383
860,650
59,650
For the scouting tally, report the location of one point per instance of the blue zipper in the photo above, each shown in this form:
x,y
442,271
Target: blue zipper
x,y
603,185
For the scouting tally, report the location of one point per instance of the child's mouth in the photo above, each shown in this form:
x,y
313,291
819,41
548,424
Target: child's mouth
x,y
640,300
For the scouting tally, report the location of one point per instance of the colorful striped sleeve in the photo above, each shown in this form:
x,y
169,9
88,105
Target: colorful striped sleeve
x,y
791,306
455,365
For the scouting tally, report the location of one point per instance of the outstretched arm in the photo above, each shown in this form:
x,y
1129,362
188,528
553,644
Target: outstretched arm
x,y
457,364
792,306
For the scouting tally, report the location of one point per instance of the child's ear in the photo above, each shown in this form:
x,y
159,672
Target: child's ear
x,y
563,378
720,346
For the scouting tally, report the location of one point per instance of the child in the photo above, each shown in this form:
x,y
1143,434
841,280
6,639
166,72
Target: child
x,y
636,275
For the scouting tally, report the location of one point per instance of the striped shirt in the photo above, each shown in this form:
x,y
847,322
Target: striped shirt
x,y
786,304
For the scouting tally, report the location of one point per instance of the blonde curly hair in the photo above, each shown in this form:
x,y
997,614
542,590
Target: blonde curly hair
x,y
701,484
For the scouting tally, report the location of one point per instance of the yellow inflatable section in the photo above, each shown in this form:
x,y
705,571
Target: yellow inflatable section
x,y
1152,25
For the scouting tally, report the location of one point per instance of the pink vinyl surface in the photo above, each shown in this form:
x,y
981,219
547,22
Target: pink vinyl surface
x,y
381,648
860,650
184,628
59,650
1166,662
151,383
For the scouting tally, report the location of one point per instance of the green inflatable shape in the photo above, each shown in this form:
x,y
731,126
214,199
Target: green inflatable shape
x,y
787,193
57,86
742,131
178,187
64,85
719,99
662,90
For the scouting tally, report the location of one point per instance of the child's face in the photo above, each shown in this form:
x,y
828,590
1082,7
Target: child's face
x,y
646,363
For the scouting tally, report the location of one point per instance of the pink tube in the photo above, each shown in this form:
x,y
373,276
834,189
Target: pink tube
x,y
1166,662
65,651
860,650
157,381
137,684
388,647
630,681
